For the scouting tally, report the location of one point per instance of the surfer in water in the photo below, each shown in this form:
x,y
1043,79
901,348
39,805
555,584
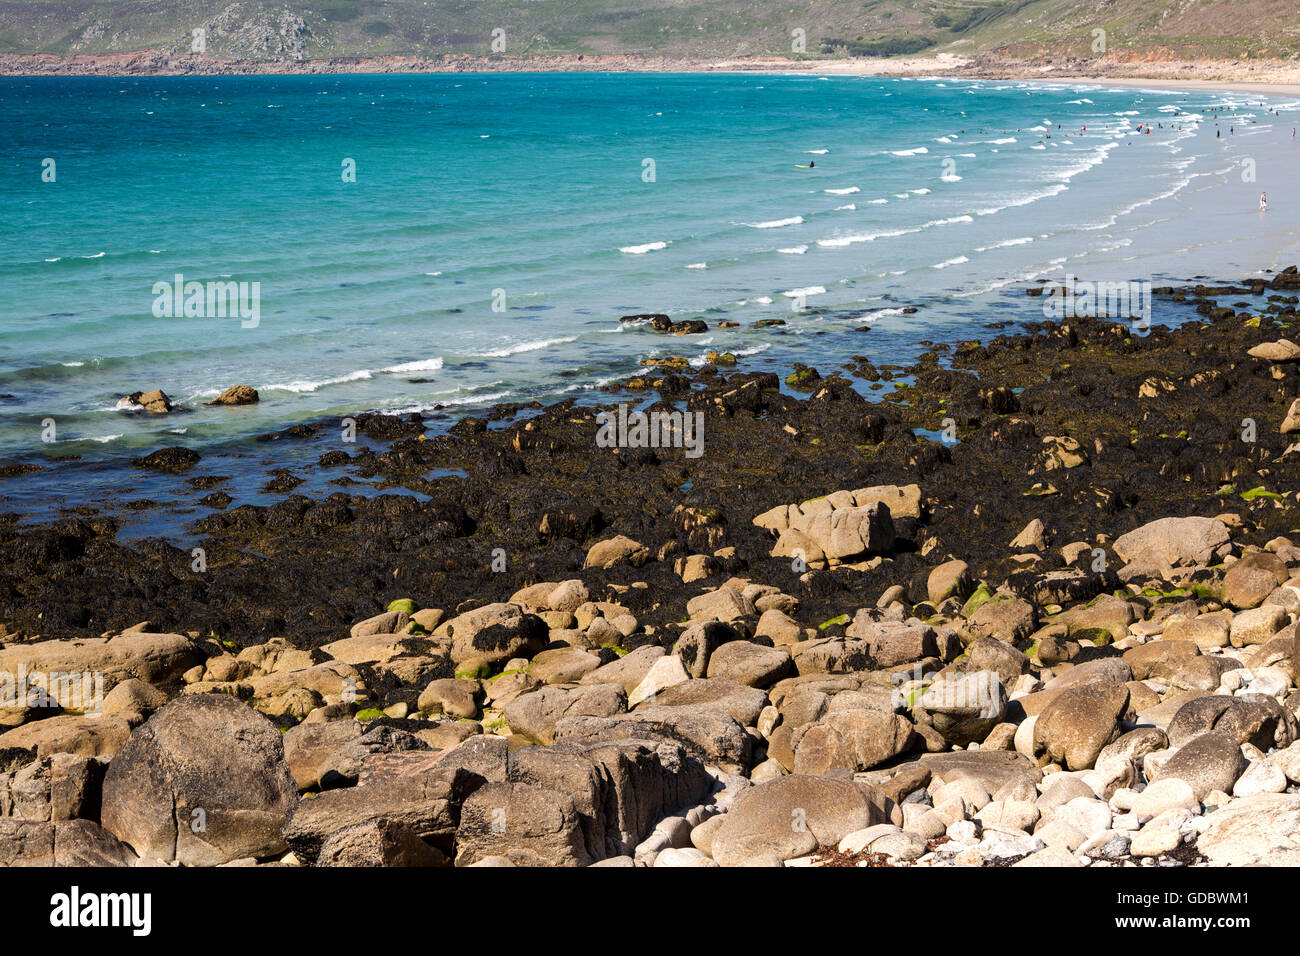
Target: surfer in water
x,y
812,163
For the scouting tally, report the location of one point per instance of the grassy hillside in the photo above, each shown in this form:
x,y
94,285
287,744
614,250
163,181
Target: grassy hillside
x,y
261,29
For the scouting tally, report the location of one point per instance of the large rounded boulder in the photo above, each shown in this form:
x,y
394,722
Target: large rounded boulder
x,y
202,782
792,816
1079,722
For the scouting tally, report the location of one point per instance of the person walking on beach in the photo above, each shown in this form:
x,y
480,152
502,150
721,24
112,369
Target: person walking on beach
x,y
1263,202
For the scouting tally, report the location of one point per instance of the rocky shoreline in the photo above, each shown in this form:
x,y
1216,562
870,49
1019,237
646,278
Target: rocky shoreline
x,y
1062,634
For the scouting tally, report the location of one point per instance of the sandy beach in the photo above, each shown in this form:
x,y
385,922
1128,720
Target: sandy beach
x,y
1260,76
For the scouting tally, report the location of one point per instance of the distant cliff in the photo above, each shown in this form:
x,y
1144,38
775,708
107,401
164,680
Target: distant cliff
x,y
290,31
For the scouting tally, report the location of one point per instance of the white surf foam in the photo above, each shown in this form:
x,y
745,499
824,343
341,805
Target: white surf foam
x,y
423,365
526,347
309,386
776,223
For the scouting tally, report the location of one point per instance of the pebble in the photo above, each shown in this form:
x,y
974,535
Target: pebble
x,y
678,857
1168,794
1087,816
1121,800
1003,842
1108,845
963,831
859,840
1161,834
1262,776
1059,833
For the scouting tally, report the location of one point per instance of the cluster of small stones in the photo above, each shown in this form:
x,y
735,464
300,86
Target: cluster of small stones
x,y
1076,716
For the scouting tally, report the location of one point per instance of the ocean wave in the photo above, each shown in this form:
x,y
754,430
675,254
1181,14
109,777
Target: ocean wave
x,y
97,255
526,347
643,249
817,152
305,386
423,365
955,261
848,191
1099,156
698,265
434,406
810,290
1024,240
877,314
794,250
850,207
1025,200
837,242
910,152
776,223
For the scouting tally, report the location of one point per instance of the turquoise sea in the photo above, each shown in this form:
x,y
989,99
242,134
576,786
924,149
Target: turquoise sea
x,y
499,225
